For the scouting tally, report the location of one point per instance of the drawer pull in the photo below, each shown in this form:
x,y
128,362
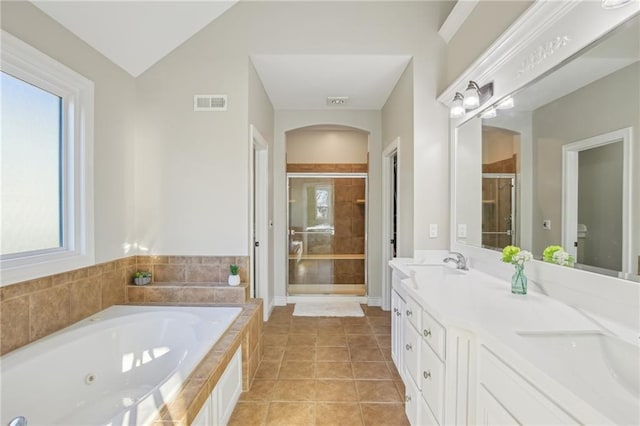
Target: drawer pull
x,y
426,374
395,309
427,333
407,398
408,346
409,313
398,313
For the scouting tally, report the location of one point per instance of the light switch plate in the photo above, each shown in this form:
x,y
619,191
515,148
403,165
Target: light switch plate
x,y
546,224
433,230
462,230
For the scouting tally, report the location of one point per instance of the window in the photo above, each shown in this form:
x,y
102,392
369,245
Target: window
x,y
46,150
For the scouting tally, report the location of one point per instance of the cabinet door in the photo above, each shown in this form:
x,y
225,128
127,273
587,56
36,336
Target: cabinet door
x,y
432,380
490,412
397,331
227,392
204,416
412,353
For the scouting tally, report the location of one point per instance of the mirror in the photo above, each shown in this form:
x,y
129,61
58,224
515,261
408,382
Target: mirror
x,y
557,162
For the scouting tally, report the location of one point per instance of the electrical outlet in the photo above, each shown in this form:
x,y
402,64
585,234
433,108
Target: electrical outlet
x,y
546,224
433,230
462,230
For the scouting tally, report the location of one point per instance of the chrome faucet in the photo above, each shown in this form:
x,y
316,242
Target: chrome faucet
x,y
18,421
461,262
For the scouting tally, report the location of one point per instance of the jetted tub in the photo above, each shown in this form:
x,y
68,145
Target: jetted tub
x,y
117,367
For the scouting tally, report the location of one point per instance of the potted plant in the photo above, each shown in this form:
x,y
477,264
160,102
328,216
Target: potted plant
x,y
234,278
142,278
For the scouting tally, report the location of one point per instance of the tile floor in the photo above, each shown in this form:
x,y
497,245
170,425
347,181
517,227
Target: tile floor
x,y
325,371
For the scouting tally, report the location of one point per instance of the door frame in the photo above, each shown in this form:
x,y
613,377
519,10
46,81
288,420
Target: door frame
x,y
570,153
514,226
387,216
259,218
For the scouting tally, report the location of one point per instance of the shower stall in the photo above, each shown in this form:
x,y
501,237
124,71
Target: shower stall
x,y
327,234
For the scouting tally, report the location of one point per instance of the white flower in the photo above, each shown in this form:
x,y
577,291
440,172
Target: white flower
x,y
562,258
523,256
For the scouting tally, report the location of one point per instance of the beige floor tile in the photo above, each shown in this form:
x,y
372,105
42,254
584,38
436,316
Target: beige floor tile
x,y
273,353
400,386
249,414
384,340
332,340
381,329
386,353
377,391
304,329
354,320
294,390
275,339
365,353
383,414
268,370
301,339
361,340
336,390
371,370
377,321
357,329
393,370
291,414
300,353
297,370
338,414
328,322
330,330
332,354
334,370
261,390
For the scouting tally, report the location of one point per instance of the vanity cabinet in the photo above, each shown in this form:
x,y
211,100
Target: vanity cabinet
x,y
504,396
398,309
219,406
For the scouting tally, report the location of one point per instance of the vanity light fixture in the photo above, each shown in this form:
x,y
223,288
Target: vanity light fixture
x,y
474,95
614,4
489,113
457,110
506,103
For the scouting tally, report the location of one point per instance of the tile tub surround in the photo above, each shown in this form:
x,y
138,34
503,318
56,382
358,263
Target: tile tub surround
x,y
246,331
36,308
187,293
319,370
192,269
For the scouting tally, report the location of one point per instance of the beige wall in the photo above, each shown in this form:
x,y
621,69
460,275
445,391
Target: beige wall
x,y
397,122
114,119
573,118
327,146
488,20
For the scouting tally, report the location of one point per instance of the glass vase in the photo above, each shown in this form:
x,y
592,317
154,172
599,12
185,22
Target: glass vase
x,y
519,281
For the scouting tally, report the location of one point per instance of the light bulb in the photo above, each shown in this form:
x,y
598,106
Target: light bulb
x,y
457,110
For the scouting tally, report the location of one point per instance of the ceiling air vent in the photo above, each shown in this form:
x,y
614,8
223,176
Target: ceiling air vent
x,y
210,102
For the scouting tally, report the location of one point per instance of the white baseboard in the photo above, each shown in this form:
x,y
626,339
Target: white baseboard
x,y
280,301
374,301
267,311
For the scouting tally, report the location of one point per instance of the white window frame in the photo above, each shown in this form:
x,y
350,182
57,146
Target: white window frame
x,y
77,92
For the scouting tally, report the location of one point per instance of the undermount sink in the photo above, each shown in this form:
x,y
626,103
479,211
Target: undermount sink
x,y
431,272
598,358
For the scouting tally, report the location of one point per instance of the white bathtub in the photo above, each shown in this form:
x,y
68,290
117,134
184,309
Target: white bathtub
x,y
116,367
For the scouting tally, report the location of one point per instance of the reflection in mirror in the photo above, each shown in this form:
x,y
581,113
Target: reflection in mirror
x,y
560,166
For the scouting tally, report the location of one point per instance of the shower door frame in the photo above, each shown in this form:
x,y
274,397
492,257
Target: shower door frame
x,y
317,296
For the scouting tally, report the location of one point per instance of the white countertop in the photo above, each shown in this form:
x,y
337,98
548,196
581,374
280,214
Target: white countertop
x,y
485,306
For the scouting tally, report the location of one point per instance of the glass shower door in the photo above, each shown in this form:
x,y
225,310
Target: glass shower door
x,y
326,234
498,210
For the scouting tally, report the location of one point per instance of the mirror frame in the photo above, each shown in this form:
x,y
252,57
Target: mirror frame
x,y
552,33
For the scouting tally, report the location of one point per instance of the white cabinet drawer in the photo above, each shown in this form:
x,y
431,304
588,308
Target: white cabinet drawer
x,y
434,334
432,380
425,415
516,395
412,354
414,313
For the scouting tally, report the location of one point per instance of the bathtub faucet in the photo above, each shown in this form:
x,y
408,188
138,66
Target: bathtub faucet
x,y
18,421
459,259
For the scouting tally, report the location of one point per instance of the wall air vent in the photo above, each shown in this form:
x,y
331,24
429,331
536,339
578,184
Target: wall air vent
x,y
210,102
337,100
